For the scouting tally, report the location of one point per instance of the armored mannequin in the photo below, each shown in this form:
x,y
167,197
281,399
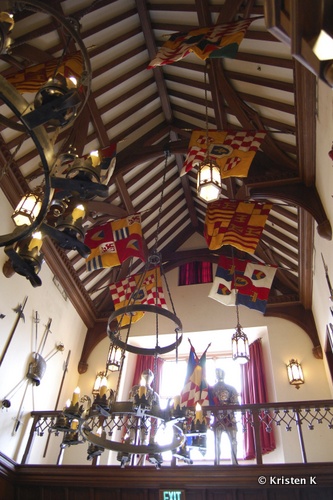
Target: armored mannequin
x,y
223,394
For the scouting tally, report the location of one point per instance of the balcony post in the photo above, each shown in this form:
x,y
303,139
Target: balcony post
x,y
300,436
26,454
257,441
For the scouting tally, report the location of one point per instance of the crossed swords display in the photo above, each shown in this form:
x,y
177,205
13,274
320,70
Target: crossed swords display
x,y
36,367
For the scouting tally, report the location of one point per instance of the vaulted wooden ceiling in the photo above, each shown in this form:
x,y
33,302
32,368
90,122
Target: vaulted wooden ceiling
x,y
146,112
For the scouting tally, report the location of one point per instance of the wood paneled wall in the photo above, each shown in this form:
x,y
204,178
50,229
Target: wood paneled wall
x,y
228,482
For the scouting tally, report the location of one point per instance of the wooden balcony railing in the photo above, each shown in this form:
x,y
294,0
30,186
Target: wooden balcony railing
x,y
255,418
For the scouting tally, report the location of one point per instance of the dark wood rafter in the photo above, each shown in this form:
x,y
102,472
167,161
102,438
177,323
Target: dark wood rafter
x,y
298,194
296,313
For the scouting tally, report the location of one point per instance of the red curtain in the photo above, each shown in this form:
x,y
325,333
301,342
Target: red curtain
x,y
148,363
255,391
194,273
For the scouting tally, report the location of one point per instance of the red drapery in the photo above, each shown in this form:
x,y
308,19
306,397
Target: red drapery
x,y
148,363
194,273
255,391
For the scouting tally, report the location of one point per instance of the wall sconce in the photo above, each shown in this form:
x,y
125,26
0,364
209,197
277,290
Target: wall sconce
x,y
310,42
295,373
100,384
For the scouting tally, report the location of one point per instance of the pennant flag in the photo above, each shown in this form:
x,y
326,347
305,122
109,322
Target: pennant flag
x,y
209,42
196,388
143,288
236,223
32,78
249,281
114,242
233,151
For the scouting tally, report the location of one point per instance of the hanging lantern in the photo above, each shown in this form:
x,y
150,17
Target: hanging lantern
x,y
28,209
240,346
295,373
209,181
114,358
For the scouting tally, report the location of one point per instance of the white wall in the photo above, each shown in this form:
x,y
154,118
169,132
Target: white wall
x,y
66,327
324,184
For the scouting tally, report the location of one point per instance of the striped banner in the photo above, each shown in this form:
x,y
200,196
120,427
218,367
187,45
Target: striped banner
x,y
32,78
236,223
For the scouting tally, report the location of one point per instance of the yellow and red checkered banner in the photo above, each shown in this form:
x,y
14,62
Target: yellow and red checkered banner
x,y
233,151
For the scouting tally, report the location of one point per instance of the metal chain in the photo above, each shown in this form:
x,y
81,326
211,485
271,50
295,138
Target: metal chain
x,y
167,153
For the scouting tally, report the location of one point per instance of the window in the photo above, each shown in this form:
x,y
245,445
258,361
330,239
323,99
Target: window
x,y
172,382
173,375
194,273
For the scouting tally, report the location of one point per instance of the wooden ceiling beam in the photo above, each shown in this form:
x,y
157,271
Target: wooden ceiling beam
x,y
152,49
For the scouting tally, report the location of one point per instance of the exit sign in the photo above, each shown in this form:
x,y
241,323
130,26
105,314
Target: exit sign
x,y
172,495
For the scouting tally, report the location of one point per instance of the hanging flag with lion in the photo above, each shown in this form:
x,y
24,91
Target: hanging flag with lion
x,y
114,242
248,283
232,150
236,223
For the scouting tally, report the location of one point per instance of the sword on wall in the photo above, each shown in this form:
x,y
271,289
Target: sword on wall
x,y
327,278
19,310
58,398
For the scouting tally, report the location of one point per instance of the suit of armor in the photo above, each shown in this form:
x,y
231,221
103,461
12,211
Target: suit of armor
x,y
224,394
152,398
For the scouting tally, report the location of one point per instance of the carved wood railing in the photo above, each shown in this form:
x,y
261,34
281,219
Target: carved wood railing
x,y
255,418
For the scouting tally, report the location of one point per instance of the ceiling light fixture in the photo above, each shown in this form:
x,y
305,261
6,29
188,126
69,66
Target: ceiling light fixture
x,y
57,102
104,422
239,342
209,181
114,359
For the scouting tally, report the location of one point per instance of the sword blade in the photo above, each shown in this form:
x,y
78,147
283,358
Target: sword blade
x,y
19,311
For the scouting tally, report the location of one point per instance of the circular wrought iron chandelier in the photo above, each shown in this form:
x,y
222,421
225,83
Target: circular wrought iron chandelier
x,y
105,422
57,103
